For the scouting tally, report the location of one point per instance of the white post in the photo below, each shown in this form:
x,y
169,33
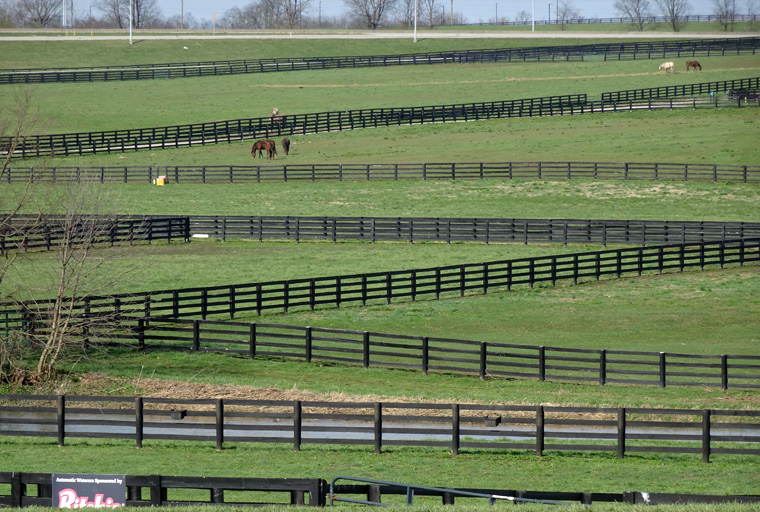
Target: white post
x,y
130,21
416,2
533,23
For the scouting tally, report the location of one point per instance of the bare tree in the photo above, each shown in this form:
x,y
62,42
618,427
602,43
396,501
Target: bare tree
x,y
39,13
674,12
115,11
523,17
8,14
637,11
372,13
145,13
430,8
726,12
406,12
566,12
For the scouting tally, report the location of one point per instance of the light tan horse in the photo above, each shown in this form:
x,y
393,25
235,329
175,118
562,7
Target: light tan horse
x,y
668,66
274,117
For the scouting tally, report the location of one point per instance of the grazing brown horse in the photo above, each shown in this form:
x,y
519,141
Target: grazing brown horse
x,y
285,145
264,145
693,64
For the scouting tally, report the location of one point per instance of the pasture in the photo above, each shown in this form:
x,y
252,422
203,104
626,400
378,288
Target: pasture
x,y
696,312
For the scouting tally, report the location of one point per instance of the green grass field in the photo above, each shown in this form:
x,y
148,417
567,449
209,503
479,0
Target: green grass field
x,y
697,312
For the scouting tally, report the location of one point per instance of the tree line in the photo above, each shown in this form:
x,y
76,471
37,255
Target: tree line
x,y
294,14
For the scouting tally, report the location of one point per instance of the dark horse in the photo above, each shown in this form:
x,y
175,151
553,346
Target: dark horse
x,y
285,145
693,64
264,145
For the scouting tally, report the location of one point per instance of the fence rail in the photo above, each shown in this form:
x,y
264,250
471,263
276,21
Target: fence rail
x,y
27,233
392,171
453,427
721,18
23,233
608,51
674,91
264,127
387,287
486,360
155,490
35,489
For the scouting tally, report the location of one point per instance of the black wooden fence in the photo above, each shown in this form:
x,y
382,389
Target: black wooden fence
x,y
436,229
673,91
35,489
26,233
689,18
454,427
607,51
166,491
398,171
401,285
22,233
265,127
486,360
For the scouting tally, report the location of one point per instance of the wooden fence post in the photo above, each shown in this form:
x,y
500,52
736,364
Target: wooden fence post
x,y
378,419
706,435
602,367
196,335
724,372
663,372
307,336
455,429
425,354
61,408
297,424
539,430
365,350
621,432
483,357
252,340
541,363
139,421
219,423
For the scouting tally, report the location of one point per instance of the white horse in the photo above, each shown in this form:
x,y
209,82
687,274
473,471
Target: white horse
x,y
668,66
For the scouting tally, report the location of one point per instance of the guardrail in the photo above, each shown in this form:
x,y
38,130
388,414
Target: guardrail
x,y
392,171
608,51
532,428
